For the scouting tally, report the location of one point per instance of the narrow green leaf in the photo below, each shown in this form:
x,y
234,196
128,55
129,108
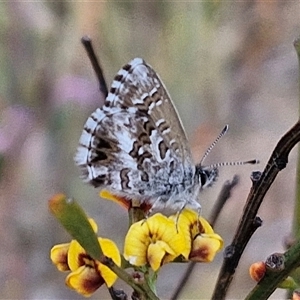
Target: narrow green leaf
x,y
73,218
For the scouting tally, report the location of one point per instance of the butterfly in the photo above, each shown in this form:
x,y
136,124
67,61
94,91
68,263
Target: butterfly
x,y
135,145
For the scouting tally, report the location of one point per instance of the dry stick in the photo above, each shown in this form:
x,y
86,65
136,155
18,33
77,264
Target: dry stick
x,y
249,222
224,195
87,43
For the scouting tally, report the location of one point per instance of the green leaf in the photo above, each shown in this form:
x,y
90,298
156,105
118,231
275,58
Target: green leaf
x,y
73,218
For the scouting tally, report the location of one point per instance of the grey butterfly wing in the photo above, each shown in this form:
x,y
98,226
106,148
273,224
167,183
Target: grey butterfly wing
x,y
135,144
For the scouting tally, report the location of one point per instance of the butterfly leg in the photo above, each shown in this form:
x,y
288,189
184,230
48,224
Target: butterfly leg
x,y
178,214
150,211
156,204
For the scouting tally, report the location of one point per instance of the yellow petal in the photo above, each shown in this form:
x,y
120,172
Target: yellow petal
x,y
206,228
205,247
119,200
186,222
164,229
136,244
84,280
189,220
110,250
107,274
156,252
93,224
58,255
76,256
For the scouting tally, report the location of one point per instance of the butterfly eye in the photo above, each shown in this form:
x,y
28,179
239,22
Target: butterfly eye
x,y
207,176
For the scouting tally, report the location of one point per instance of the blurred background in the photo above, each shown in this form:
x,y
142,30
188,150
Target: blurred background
x,y
223,63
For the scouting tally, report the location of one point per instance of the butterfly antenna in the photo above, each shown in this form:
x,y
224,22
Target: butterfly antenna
x,y
225,129
234,163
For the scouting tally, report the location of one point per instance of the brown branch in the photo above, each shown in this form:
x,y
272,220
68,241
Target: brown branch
x,y
249,222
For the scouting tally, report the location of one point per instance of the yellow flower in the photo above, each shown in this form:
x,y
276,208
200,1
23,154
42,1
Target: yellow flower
x,y
204,242
159,240
155,241
87,274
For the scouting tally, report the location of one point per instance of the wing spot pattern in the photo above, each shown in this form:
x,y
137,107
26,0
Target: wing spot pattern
x,y
163,149
125,178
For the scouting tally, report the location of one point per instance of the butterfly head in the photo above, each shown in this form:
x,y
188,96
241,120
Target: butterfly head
x,y
207,175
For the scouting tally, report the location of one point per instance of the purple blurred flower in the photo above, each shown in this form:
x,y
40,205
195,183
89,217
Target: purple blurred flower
x,y
16,122
77,89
